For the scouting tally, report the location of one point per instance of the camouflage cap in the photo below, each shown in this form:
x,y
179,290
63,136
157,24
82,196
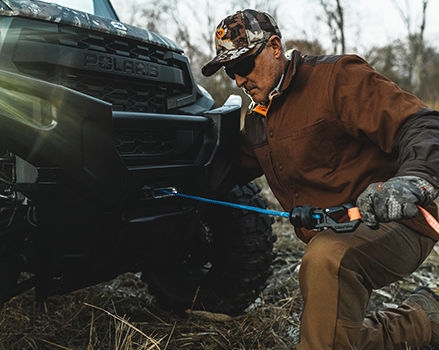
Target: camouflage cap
x,y
238,34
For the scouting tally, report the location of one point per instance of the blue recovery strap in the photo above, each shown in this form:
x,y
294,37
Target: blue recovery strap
x,y
233,205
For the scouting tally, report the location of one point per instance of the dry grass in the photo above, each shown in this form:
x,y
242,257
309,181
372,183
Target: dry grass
x,y
91,319
121,315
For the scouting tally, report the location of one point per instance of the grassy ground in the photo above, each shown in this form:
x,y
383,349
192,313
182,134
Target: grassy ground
x,y
121,314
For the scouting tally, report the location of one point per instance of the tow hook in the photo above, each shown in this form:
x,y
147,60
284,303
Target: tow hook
x,y
159,192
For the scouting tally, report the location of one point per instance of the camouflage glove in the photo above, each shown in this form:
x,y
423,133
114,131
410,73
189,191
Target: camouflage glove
x,y
395,199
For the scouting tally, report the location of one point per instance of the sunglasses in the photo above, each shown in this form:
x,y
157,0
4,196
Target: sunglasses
x,y
245,66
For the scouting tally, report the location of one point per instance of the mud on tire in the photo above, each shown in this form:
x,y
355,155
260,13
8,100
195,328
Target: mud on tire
x,y
227,273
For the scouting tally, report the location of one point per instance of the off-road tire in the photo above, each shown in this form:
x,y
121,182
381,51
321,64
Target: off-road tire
x,y
241,260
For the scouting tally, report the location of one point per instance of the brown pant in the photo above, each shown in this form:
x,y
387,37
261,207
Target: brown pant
x,y
337,276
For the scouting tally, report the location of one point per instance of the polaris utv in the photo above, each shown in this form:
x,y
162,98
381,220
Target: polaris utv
x,y
97,118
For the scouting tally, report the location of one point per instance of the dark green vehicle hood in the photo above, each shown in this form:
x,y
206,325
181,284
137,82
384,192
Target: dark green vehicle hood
x,y
58,14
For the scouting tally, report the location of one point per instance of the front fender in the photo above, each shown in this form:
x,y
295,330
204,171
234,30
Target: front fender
x,y
227,120
47,123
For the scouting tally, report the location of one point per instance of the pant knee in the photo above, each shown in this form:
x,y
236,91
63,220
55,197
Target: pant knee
x,y
323,255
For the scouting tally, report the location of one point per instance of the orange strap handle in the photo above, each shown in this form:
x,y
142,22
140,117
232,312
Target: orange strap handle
x,y
354,214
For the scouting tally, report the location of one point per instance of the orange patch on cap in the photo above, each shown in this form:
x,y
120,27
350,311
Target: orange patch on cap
x,y
220,33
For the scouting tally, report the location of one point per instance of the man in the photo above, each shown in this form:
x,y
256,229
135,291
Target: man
x,y
329,130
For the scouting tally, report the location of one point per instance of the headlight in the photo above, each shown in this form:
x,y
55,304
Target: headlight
x,y
28,109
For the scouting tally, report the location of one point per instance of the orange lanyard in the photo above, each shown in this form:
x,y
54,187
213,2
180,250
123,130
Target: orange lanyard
x,y
430,219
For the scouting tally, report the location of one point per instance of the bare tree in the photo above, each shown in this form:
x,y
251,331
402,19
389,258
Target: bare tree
x,y
149,14
305,46
416,40
334,13
196,36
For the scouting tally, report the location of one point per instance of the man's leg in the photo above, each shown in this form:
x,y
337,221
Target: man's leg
x,y
337,275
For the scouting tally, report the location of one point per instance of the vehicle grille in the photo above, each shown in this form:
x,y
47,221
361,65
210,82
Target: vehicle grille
x,y
157,145
125,95
124,92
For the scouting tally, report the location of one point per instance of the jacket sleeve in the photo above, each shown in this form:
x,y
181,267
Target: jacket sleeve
x,y
242,168
367,104
247,166
417,146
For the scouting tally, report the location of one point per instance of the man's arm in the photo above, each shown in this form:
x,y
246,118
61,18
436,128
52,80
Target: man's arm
x,y
417,146
243,167
416,182
370,105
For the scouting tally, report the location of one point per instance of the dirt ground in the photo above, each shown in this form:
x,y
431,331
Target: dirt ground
x,y
121,314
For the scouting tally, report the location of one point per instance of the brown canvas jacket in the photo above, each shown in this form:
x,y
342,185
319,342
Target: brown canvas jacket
x,y
328,134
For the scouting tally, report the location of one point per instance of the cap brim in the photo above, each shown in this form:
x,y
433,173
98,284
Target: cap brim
x,y
225,57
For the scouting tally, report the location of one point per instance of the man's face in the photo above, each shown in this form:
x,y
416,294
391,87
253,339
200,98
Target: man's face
x,y
263,78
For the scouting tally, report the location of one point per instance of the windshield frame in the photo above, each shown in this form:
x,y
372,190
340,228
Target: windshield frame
x,y
108,6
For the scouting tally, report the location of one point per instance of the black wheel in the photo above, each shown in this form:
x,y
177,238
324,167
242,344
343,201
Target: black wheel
x,y
225,267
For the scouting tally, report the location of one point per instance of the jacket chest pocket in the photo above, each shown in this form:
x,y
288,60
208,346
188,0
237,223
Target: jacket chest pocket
x,y
309,152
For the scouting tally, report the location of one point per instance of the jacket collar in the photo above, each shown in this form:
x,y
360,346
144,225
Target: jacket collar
x,y
293,65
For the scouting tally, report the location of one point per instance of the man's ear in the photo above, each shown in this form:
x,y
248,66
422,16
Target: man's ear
x,y
275,44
